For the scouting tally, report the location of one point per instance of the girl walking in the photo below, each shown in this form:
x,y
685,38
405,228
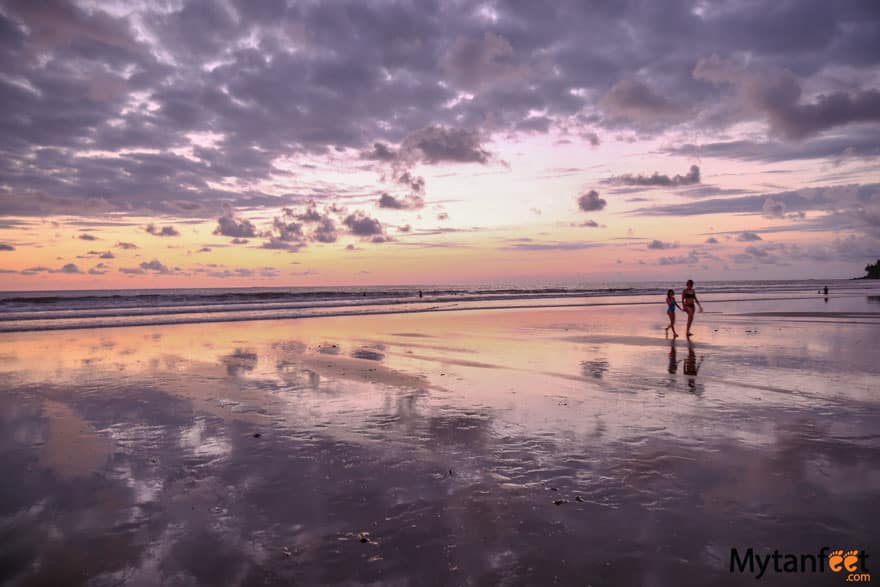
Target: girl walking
x,y
671,305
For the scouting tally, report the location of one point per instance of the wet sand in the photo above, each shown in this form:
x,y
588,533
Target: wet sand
x,y
521,446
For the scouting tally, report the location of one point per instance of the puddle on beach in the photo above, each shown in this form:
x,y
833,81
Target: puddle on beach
x,y
493,447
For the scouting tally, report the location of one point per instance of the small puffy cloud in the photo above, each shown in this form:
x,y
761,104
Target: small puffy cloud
x,y
87,237
6,247
379,152
274,243
773,208
69,268
287,231
413,182
439,144
239,241
99,269
656,245
230,225
711,241
163,231
690,259
325,231
155,265
360,224
747,236
659,180
125,246
107,255
411,202
589,224
442,216
591,202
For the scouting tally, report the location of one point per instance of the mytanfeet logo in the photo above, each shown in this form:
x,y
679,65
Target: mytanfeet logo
x,y
848,563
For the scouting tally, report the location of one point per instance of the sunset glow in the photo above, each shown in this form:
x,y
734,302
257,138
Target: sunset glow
x,y
206,144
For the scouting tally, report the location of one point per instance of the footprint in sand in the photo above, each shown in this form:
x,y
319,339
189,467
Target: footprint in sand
x,y
850,560
835,560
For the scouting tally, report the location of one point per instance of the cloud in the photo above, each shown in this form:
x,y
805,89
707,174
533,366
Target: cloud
x,y
107,255
657,245
711,241
481,61
637,102
239,241
549,246
589,224
590,201
164,231
657,179
155,266
359,224
87,237
747,236
411,202
438,144
443,216
125,246
6,247
691,258
777,94
773,208
229,225
68,268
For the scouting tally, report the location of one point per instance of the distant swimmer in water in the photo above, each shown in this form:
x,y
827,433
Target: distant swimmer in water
x,y
826,290
671,305
688,299
420,293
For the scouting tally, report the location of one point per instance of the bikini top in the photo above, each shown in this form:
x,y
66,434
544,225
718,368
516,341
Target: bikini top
x,y
688,296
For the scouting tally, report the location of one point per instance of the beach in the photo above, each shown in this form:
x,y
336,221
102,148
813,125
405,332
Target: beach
x,y
567,441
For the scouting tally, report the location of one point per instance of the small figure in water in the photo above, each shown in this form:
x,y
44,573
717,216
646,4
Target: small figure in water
x,y
420,293
671,305
688,299
826,291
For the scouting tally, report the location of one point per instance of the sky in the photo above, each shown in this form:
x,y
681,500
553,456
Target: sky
x,y
227,143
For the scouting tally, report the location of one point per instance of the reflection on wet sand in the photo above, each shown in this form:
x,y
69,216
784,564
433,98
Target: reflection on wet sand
x,y
525,447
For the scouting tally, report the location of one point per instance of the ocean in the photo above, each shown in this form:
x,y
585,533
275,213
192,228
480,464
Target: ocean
x,y
57,310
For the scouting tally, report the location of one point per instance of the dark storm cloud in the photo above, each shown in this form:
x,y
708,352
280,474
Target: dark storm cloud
x,y
152,112
591,201
657,179
163,231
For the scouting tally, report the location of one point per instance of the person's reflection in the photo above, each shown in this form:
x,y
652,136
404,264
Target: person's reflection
x,y
673,361
692,366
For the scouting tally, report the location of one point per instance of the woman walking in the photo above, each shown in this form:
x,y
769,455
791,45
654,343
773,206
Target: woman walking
x,y
688,299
